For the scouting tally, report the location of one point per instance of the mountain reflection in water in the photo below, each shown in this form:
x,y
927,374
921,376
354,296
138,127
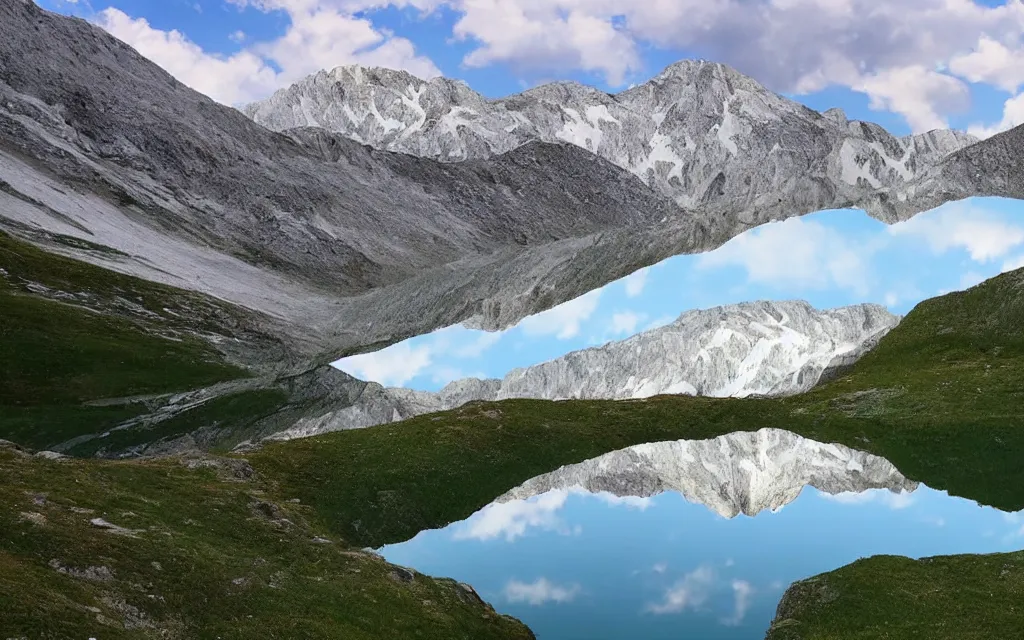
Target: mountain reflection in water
x,y
694,539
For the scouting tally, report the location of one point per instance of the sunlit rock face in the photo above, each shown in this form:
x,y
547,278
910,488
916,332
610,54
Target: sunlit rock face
x,y
767,348
740,473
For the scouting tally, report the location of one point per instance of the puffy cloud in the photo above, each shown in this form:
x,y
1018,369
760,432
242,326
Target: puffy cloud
x,y
1013,115
795,253
691,592
992,62
635,282
1013,264
984,234
392,366
321,35
742,592
625,322
228,79
562,321
512,519
890,499
540,591
918,94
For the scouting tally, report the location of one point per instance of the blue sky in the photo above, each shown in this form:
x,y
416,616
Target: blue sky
x,y
909,66
668,568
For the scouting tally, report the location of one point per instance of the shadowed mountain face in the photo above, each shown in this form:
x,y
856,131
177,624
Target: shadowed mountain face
x,y
765,348
744,472
343,248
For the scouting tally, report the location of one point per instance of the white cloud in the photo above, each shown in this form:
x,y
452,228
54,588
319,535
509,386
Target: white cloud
x,y
540,591
562,321
237,36
689,593
231,79
392,366
321,35
545,36
512,519
892,500
917,93
1013,115
984,234
625,322
660,567
1013,264
635,282
476,347
992,62
742,592
796,254
970,278
612,500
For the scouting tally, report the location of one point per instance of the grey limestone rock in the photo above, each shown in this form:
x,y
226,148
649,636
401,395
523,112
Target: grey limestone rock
x,y
763,348
739,473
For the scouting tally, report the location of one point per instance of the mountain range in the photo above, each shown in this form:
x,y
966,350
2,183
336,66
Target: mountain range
x,y
333,247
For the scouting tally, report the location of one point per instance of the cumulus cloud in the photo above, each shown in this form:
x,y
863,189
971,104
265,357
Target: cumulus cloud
x,y
228,79
1013,115
742,593
540,591
992,62
984,234
691,592
393,366
562,321
625,322
322,34
892,500
1013,263
635,282
512,519
795,253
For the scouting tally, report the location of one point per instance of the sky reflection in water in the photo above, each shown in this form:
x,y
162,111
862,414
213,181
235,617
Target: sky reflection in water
x,y
577,566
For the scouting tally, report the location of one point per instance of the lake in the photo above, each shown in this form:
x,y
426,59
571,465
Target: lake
x,y
694,539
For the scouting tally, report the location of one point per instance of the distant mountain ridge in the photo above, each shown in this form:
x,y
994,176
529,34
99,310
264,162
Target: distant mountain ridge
x,y
763,348
699,132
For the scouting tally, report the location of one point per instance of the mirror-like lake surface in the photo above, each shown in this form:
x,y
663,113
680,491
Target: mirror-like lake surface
x,y
583,565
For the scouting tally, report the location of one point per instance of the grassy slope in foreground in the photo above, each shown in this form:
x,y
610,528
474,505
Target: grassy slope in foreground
x,y
966,597
208,554
72,333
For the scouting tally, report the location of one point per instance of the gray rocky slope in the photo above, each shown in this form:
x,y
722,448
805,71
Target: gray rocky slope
x,y
739,473
341,247
699,132
764,348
